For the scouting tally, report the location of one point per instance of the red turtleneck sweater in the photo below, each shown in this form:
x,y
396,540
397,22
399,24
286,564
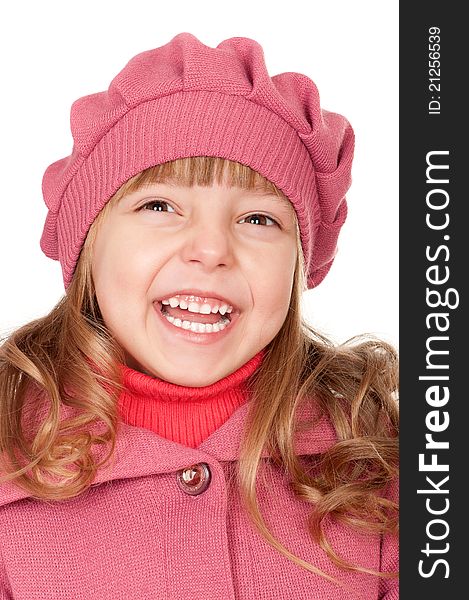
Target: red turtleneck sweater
x,y
187,415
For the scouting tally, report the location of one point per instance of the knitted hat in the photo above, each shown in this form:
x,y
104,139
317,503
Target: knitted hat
x,y
188,99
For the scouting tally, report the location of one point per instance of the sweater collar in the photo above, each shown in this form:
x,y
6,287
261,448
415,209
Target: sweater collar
x,y
186,415
146,386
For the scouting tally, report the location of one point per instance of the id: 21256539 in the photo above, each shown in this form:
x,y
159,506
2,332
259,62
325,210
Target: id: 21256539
x,y
434,104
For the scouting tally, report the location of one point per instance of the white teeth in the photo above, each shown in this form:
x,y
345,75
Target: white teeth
x,y
195,307
199,327
205,309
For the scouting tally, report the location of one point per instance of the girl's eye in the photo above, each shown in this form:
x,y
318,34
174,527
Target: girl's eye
x,y
259,217
157,202
161,203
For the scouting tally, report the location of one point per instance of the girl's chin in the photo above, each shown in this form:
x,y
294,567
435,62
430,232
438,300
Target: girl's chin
x,y
190,371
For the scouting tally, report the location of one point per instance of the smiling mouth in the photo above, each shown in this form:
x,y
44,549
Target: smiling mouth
x,y
196,322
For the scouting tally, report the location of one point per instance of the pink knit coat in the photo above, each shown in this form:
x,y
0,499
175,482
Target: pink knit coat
x,y
140,532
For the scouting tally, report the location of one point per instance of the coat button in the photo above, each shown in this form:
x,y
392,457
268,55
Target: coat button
x,y
194,479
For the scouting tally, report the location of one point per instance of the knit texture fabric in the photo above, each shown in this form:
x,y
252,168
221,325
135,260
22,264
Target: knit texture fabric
x,y
187,99
137,534
187,415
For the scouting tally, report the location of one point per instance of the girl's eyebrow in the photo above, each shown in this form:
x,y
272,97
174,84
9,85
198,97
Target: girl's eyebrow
x,y
279,200
261,193
272,195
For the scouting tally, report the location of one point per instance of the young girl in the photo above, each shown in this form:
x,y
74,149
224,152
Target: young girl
x,y
174,428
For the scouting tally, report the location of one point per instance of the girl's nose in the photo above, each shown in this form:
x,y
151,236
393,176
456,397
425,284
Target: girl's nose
x,y
209,243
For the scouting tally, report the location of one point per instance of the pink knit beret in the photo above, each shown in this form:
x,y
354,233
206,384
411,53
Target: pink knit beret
x,y
188,99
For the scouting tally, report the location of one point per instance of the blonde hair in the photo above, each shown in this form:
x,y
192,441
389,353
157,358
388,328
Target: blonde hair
x,y
354,384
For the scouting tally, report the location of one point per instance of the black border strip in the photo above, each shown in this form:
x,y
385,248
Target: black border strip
x,y
433,292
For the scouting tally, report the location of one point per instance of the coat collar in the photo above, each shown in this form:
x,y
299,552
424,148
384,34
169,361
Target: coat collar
x,y
140,452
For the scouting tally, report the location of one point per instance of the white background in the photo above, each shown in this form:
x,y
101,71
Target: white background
x,y
53,52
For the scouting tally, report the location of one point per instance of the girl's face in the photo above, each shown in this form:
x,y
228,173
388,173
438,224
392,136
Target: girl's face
x,y
215,243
